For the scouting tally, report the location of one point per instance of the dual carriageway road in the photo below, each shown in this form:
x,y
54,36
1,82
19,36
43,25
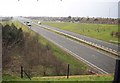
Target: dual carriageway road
x,y
99,60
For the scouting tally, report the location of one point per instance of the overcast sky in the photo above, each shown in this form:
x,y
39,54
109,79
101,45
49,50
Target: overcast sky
x,y
58,8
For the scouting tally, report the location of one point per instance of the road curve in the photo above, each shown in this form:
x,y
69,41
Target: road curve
x,y
103,63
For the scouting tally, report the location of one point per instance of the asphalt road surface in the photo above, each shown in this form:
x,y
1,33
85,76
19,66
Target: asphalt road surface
x,y
101,61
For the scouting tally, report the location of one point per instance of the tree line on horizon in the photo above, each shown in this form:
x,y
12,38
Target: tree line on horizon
x,y
79,19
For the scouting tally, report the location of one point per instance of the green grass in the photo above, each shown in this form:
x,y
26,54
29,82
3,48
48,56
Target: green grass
x,y
97,78
88,29
78,78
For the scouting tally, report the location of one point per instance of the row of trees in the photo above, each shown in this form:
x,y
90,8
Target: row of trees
x,y
11,37
79,19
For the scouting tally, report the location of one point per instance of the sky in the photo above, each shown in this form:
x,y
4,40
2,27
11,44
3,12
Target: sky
x,y
60,8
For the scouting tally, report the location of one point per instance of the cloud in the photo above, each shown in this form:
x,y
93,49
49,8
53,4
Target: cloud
x,y
58,8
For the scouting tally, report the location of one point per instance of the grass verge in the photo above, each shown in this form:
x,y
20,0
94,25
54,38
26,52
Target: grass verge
x,y
84,78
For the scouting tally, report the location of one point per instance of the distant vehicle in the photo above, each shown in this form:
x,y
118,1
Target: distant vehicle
x,y
28,24
39,22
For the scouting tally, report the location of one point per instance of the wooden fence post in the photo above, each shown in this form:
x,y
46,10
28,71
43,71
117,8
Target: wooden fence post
x,y
22,71
117,72
68,71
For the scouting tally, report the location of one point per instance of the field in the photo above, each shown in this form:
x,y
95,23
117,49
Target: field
x,y
98,31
